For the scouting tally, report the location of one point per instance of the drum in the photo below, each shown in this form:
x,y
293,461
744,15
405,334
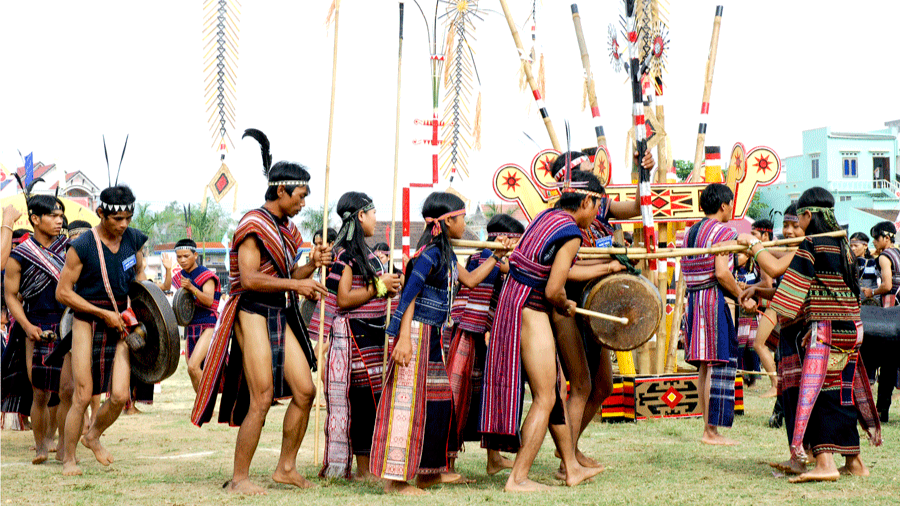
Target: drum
x,y
633,297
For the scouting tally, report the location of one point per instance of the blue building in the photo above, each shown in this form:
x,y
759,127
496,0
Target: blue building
x,y
859,169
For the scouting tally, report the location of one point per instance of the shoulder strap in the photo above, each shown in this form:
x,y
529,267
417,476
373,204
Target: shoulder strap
x,y
103,269
287,258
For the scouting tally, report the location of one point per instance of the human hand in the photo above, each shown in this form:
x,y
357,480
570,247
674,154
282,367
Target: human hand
x,y
615,266
186,283
10,215
748,293
321,256
32,332
749,305
507,246
648,162
402,353
746,239
868,293
310,289
166,261
392,282
569,308
114,320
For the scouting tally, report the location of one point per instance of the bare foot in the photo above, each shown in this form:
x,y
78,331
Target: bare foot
x,y
402,488
245,487
424,481
790,466
580,474
854,467
586,461
70,468
772,392
495,465
51,446
40,456
717,439
100,453
816,475
364,477
291,477
525,486
560,474
132,410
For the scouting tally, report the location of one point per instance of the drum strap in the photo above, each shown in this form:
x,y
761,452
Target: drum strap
x,y
130,320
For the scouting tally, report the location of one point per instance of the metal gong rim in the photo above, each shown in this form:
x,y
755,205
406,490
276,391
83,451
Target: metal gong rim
x,y
628,296
183,304
158,359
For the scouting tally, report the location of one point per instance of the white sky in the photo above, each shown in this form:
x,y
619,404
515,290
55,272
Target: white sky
x,y
75,70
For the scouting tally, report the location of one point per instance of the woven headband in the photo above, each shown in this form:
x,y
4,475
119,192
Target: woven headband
x,y
292,182
435,231
76,231
494,235
185,247
565,170
760,229
791,218
348,227
583,192
860,242
115,208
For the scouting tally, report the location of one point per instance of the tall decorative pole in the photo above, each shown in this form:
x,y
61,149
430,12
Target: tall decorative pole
x,y
530,77
707,91
396,185
324,274
601,158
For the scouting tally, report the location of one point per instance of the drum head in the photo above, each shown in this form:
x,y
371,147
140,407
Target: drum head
x,y
158,359
623,295
183,304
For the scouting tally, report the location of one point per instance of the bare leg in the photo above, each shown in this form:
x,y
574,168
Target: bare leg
x,y
253,338
768,363
853,466
66,390
195,362
362,469
40,422
711,434
572,355
80,360
120,390
496,462
825,470
52,427
296,417
575,471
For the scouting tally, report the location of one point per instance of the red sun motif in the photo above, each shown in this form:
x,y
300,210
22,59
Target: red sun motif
x,y
545,166
762,163
511,181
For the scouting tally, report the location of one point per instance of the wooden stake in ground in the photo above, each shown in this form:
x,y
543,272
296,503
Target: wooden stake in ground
x,y
707,91
526,65
324,274
677,312
394,201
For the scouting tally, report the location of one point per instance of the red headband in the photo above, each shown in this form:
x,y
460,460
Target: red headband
x,y
436,230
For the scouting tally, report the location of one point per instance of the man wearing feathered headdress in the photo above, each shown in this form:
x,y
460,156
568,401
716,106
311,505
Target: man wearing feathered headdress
x,y
270,353
100,267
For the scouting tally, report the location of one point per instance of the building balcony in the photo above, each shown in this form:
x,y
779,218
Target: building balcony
x,y
874,187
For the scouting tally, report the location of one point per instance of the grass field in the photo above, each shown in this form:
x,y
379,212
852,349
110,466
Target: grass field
x,y
162,459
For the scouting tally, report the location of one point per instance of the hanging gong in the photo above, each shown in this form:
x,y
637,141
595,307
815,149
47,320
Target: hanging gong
x,y
623,295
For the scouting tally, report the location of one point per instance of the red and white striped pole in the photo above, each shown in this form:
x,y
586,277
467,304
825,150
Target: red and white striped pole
x,y
405,240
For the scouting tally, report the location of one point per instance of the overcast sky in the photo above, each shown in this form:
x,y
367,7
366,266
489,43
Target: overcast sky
x,y
73,71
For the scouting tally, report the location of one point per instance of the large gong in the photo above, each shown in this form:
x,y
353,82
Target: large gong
x,y
623,295
183,304
158,358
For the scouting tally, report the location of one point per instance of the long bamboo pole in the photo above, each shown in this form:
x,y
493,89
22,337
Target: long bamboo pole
x,y
680,290
640,253
707,91
384,361
526,65
323,273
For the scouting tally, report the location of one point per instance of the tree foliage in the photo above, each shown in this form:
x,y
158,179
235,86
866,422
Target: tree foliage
x,y
311,220
170,224
683,169
492,209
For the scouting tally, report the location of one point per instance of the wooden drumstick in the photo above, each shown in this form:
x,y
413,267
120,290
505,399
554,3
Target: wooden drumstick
x,y
602,316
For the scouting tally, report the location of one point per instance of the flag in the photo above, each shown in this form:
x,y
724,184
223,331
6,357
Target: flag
x,y
29,168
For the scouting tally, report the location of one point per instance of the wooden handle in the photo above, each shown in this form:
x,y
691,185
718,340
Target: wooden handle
x,y
602,316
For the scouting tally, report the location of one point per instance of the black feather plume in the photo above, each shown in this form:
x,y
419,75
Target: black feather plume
x,y
264,147
105,155
21,185
31,185
120,160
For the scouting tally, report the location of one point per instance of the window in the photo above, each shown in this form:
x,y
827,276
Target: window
x,y
850,167
845,198
815,168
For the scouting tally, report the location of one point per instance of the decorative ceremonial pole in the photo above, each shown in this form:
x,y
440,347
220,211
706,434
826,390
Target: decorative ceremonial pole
x,y
591,91
396,184
530,77
707,90
324,274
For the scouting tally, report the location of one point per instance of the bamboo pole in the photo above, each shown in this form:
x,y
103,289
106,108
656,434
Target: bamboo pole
x,y
636,253
672,352
387,320
602,316
323,275
526,65
589,76
707,91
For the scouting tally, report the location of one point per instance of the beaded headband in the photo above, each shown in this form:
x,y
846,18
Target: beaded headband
x,y
293,182
494,235
188,248
115,208
583,192
791,218
76,231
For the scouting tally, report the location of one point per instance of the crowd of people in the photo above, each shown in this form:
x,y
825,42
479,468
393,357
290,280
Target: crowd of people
x,y
462,336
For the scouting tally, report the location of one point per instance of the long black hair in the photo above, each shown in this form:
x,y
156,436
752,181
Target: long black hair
x,y
436,205
819,223
351,237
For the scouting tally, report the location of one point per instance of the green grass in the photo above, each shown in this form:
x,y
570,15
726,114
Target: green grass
x,y
651,462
